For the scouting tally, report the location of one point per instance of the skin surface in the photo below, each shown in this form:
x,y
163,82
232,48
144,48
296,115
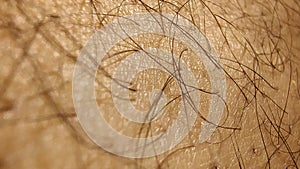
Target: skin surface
x,y
258,45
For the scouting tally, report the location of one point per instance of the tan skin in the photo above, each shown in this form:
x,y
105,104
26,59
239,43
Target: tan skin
x,y
257,42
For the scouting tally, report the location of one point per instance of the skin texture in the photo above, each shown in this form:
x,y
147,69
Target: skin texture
x,y
258,45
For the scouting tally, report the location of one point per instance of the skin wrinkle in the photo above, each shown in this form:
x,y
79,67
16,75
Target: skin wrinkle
x,y
257,42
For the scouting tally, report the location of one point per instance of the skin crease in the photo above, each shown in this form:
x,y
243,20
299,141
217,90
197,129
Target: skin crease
x,y
257,42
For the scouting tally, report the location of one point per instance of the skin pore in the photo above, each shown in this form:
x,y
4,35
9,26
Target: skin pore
x,y
257,42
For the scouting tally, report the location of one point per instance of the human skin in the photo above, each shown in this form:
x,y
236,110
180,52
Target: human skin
x,y
257,43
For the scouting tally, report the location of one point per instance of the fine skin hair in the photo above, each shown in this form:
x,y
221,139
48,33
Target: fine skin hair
x,y
257,42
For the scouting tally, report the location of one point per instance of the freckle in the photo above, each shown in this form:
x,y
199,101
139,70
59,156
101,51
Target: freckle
x,y
6,105
1,163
